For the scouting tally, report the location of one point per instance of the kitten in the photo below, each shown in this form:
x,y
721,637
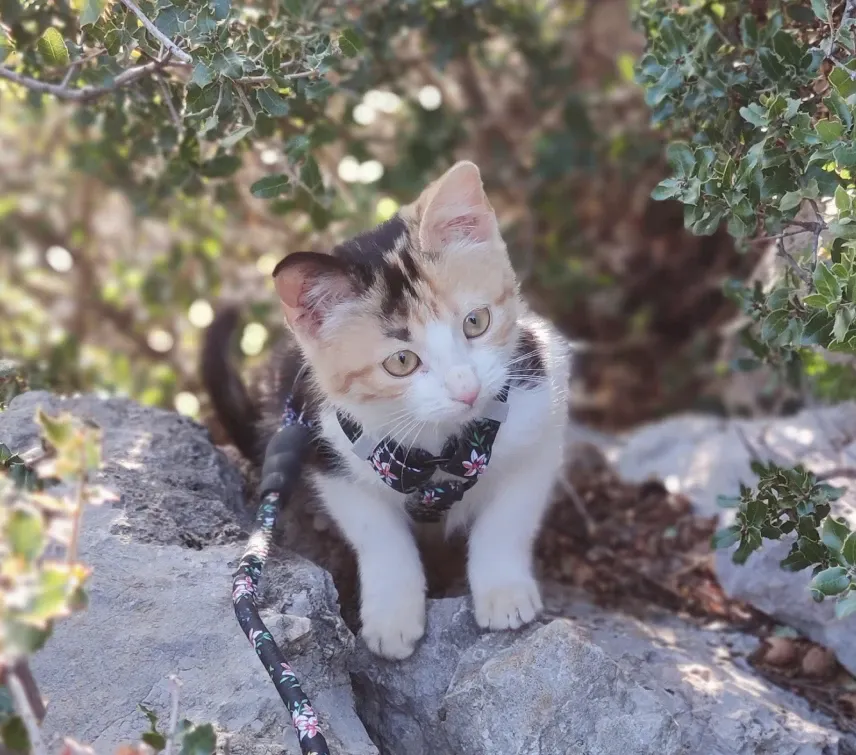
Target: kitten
x,y
411,329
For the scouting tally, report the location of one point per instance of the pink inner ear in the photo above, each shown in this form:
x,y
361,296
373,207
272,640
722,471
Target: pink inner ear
x,y
291,289
468,226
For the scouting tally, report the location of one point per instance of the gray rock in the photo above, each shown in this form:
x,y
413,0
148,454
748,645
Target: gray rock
x,y
595,684
704,457
700,675
158,609
173,487
543,690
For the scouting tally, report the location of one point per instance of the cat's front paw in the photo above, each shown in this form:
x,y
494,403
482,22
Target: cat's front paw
x,y
393,627
507,606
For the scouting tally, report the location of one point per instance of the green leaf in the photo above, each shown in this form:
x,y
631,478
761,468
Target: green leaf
x,y
24,532
790,200
682,159
7,46
831,581
795,561
834,533
774,324
272,102
829,130
52,47
725,537
815,301
234,138
845,155
200,740
667,189
155,740
756,512
220,166
845,606
310,174
754,114
202,75
842,82
836,104
350,43
270,186
826,283
221,9
848,550
820,10
843,320
229,64
90,10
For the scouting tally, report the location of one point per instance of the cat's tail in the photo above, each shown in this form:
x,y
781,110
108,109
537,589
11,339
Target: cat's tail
x,y
229,396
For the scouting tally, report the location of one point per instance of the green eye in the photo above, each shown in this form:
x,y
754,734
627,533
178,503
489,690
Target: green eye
x,y
477,322
402,363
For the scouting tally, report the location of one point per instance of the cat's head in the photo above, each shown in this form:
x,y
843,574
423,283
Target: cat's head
x,y
415,320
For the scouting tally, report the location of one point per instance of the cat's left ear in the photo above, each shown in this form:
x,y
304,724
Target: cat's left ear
x,y
311,286
458,210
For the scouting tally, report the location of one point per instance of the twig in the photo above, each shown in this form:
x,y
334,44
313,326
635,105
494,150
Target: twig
x,y
579,504
797,268
22,705
821,224
87,93
242,95
174,688
253,80
173,113
837,472
157,33
78,511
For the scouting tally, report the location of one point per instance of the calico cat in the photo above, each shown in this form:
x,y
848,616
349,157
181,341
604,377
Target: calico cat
x,y
410,331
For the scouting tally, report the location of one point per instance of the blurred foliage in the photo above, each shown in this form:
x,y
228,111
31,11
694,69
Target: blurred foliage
x,y
766,91
138,189
41,506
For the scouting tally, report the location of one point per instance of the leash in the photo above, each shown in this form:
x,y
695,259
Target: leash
x,y
411,474
280,472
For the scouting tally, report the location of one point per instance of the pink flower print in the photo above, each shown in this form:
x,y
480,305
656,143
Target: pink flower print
x,y
305,722
383,469
476,465
254,635
242,588
429,497
287,670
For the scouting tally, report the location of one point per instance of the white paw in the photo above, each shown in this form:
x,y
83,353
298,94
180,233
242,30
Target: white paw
x,y
507,606
392,628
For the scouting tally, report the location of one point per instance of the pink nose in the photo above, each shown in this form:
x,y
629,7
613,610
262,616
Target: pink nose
x,y
463,385
468,398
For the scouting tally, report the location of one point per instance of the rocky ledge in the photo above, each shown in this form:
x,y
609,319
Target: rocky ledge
x,y
582,681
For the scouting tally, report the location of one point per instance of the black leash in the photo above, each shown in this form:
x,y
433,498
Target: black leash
x,y
280,472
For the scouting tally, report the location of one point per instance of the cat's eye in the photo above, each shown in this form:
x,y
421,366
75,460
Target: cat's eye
x,y
477,322
402,363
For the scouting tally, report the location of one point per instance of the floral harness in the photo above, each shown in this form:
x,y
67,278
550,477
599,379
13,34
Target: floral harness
x,y
410,472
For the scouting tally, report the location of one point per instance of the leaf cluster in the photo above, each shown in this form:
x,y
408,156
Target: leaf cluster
x,y
793,502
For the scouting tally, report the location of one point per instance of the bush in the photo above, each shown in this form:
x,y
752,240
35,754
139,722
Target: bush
x,y
760,99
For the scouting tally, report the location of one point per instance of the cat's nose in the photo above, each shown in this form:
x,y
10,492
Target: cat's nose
x,y
463,385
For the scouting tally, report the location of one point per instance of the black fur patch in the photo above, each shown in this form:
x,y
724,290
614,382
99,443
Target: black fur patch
x,y
401,334
528,361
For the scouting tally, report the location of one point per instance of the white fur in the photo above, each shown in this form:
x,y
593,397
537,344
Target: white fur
x,y
503,511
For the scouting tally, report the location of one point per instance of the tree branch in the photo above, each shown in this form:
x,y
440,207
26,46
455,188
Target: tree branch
x,y
157,33
797,268
87,93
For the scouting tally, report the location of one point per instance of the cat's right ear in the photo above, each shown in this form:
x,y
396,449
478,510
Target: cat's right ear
x,y
311,286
